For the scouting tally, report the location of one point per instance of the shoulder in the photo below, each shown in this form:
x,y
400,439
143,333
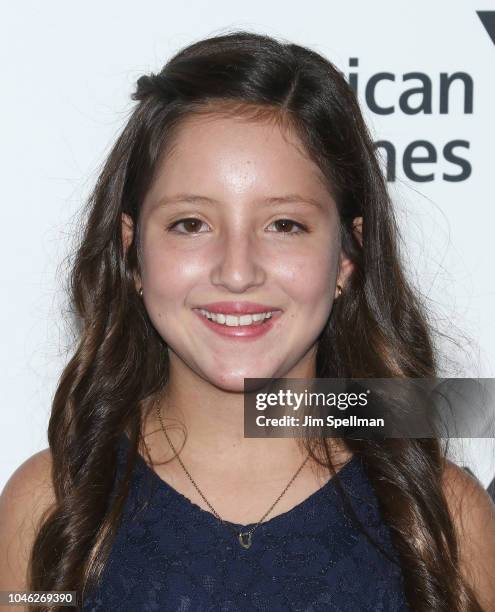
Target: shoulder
x,y
473,514
24,501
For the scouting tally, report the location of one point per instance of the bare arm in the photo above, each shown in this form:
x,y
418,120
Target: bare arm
x,y
473,513
25,498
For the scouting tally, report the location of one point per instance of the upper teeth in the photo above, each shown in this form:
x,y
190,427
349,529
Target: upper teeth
x,y
233,320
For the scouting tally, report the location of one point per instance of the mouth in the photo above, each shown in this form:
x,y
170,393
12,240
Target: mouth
x,y
230,319
247,325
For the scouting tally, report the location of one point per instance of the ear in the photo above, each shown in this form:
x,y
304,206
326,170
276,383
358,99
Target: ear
x,y
127,237
345,265
345,269
127,231
357,226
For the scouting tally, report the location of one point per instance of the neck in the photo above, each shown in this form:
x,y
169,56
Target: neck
x,y
206,427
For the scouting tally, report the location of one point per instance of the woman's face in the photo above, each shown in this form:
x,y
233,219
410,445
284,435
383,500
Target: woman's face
x,y
238,213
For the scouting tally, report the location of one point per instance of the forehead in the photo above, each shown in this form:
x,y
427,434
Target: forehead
x,y
219,155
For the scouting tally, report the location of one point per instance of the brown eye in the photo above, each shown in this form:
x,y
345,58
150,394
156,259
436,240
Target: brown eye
x,y
287,224
191,225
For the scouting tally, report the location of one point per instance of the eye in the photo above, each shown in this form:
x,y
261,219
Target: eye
x,y
192,223
189,222
284,223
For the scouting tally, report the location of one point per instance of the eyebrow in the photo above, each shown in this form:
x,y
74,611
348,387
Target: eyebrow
x,y
273,201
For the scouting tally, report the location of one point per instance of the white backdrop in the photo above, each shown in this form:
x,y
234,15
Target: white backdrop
x,y
67,73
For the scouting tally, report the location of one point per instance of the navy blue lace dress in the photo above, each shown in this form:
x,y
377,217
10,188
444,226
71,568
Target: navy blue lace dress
x,y
171,555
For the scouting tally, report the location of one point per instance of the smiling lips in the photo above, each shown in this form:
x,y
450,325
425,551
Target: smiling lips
x,y
237,308
238,319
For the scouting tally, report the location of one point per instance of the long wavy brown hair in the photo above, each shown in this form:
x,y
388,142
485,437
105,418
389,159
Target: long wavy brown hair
x,y
378,328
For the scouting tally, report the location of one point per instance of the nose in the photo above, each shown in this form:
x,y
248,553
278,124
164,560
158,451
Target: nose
x,y
239,266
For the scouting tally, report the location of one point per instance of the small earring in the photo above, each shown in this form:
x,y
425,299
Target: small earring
x,y
140,292
339,289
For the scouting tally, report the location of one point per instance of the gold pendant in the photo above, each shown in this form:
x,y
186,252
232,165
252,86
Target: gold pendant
x,y
247,543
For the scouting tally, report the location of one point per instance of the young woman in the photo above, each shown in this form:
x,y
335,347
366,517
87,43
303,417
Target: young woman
x,y
240,228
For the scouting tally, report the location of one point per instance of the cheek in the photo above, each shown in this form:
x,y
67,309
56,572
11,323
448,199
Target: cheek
x,y
169,273
309,279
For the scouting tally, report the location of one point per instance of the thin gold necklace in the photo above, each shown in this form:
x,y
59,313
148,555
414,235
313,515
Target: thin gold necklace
x,y
244,537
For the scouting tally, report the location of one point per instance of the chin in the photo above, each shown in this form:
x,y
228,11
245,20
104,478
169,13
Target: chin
x,y
234,383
